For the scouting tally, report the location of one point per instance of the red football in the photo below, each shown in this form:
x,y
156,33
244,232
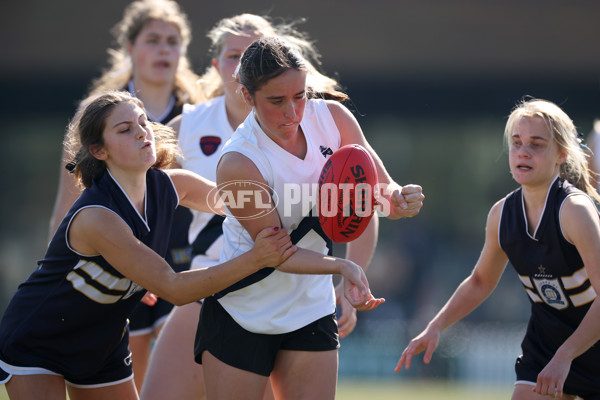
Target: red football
x,y
347,193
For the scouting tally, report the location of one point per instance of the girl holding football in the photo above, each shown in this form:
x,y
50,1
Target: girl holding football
x,y
281,323
203,129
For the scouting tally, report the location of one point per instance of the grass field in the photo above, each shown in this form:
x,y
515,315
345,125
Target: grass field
x,y
388,390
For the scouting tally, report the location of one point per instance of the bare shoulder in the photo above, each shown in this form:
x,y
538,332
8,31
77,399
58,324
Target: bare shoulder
x,y
338,110
578,207
493,219
496,209
580,222
236,165
175,123
92,225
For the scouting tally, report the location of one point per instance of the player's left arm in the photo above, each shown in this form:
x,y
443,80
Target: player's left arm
x,y
360,251
581,226
405,201
195,191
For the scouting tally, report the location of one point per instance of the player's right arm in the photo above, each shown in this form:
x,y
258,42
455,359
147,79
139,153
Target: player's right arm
x,y
469,294
97,230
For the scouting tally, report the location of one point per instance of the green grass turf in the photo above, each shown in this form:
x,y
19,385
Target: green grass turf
x,y
388,390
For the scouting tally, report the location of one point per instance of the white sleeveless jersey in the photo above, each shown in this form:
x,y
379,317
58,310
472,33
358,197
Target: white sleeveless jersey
x,y
596,159
282,302
203,131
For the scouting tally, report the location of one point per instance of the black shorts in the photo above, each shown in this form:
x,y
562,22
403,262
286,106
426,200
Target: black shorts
x,y
145,319
528,367
225,339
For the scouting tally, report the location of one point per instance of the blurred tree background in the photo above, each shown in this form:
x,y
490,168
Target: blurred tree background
x,y
431,83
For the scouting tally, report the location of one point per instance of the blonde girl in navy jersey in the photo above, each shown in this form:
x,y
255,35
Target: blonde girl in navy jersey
x,y
549,230
67,324
281,323
150,61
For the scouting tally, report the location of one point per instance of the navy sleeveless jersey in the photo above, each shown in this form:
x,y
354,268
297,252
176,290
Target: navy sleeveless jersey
x,y
71,313
554,277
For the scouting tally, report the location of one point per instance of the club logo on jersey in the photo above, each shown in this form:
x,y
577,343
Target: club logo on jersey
x,y
541,272
209,144
551,292
326,151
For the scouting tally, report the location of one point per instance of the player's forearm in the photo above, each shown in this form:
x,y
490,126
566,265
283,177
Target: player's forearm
x,y
361,250
310,262
189,286
585,336
467,297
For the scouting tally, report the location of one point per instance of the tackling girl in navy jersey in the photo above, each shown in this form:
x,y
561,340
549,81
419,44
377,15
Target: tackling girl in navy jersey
x,y
549,230
68,321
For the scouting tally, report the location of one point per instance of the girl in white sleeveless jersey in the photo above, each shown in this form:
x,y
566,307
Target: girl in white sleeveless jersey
x,y
203,129
281,323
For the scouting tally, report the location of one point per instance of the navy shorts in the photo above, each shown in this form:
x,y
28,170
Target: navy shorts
x,y
115,368
528,367
4,376
225,339
145,319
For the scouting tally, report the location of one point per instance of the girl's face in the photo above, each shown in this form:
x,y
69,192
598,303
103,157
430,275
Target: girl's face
x,y
155,52
128,140
229,58
279,104
534,156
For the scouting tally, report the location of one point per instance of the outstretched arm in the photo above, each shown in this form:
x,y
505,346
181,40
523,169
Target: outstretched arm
x,y
405,201
581,226
469,294
99,231
360,251
195,191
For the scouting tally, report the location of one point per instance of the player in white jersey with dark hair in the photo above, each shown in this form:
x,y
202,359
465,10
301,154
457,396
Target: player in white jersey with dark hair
x,y
549,230
281,323
202,131
594,144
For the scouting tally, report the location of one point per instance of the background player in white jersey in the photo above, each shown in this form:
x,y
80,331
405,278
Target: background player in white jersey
x,y
67,324
594,142
151,62
549,229
202,131
283,321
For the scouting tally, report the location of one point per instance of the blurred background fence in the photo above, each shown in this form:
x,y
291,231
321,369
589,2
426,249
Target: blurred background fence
x,y
431,83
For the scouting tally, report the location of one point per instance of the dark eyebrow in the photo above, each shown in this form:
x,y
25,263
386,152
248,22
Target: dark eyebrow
x,y
532,138
122,122
280,97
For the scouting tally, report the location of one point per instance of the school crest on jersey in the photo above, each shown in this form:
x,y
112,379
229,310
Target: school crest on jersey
x,y
551,292
209,144
326,151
